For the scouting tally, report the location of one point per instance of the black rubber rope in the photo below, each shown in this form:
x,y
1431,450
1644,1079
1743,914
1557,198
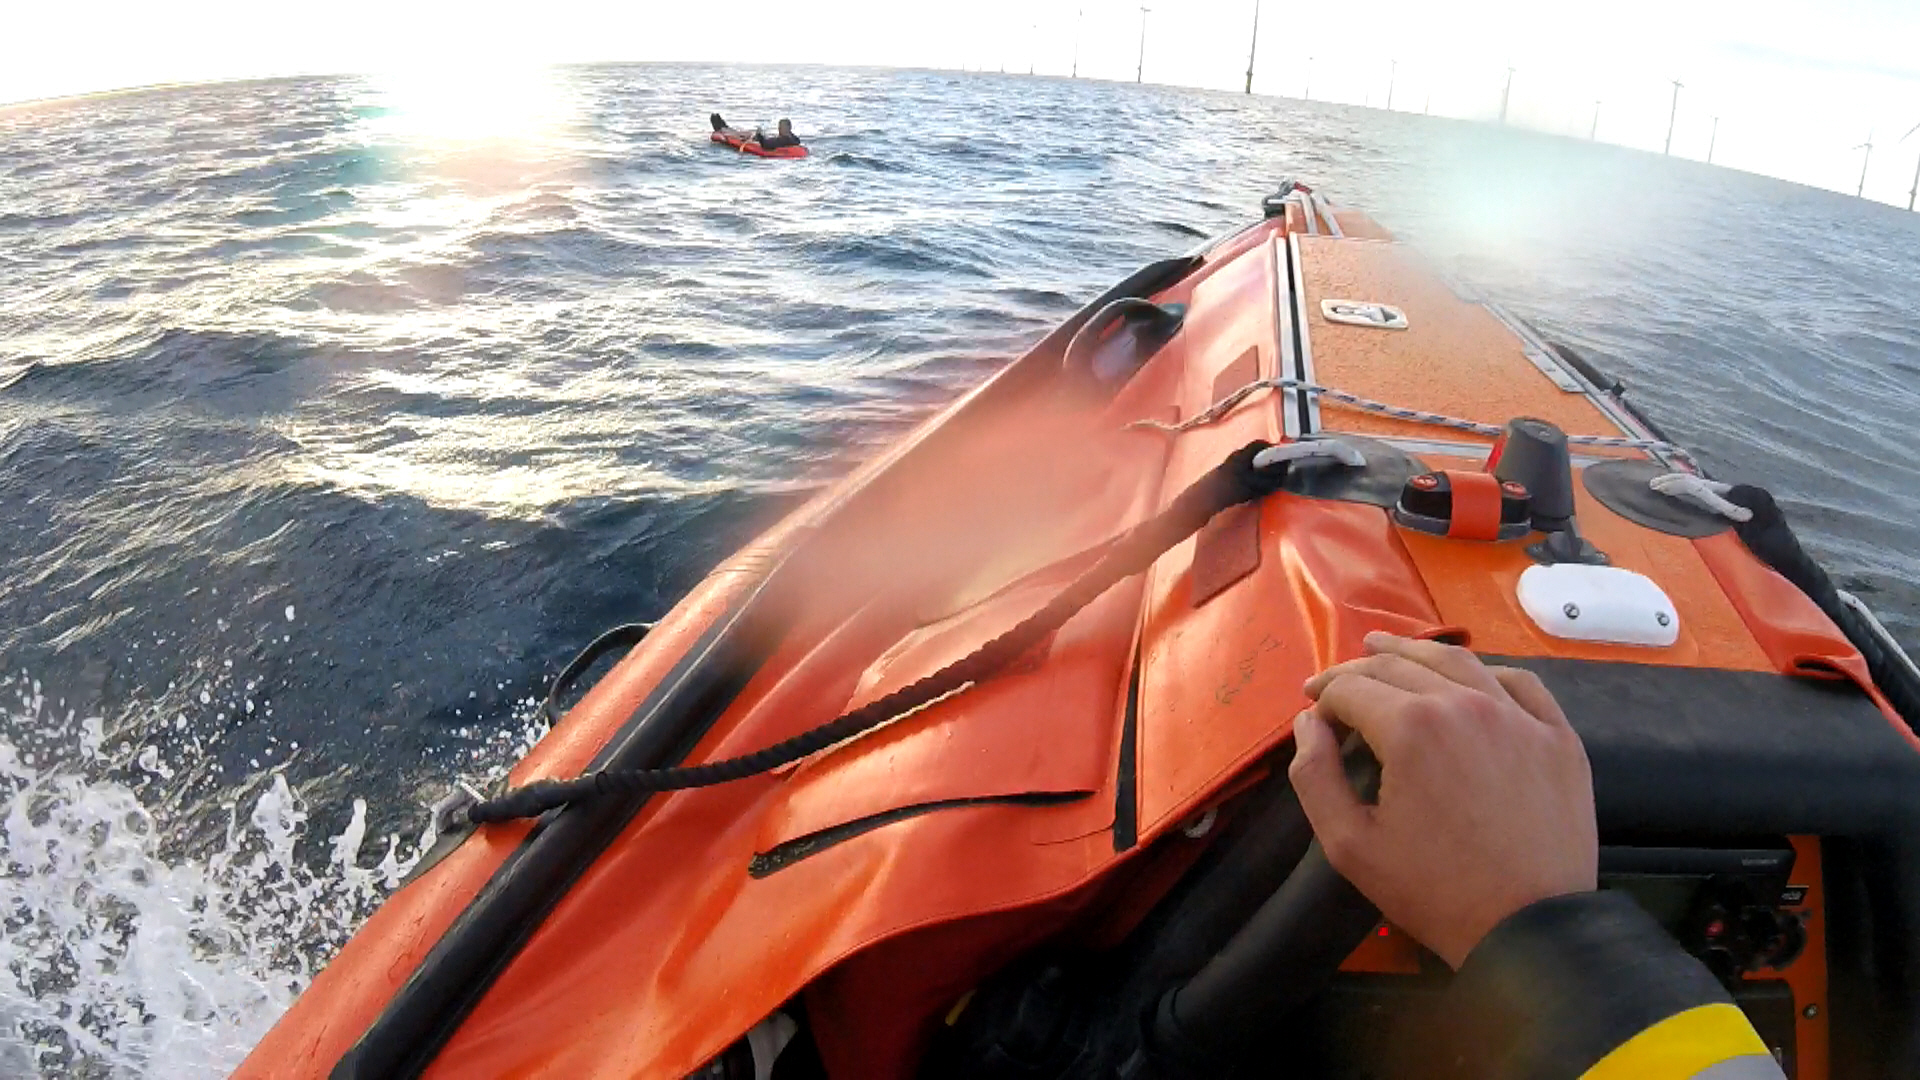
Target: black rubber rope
x,y
1229,484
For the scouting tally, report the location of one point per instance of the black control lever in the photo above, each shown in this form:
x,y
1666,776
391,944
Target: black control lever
x,y
1284,956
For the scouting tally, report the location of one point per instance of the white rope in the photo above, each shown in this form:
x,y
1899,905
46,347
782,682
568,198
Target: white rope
x,y
1702,492
1354,401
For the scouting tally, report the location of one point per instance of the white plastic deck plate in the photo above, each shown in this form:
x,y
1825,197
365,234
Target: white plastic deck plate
x,y
1598,603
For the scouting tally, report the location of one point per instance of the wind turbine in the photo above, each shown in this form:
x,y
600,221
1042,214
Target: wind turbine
x,y
1915,189
1393,72
1254,45
1506,96
1077,16
1712,139
1861,191
1141,67
1672,115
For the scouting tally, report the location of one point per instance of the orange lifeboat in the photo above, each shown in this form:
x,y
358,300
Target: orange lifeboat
x,y
968,762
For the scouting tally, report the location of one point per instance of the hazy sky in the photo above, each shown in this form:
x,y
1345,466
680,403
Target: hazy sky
x,y
1796,85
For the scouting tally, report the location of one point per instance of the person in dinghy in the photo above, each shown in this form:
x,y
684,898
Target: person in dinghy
x,y
781,139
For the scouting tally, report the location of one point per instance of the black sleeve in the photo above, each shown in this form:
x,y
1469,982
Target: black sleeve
x,y
1561,983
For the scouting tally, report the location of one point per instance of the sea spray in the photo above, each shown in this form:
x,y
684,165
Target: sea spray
x,y
122,955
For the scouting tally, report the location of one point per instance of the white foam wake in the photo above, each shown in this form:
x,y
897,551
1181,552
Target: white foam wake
x,y
121,958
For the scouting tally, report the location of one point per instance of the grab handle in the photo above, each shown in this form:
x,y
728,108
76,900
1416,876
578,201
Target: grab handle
x,y
1156,323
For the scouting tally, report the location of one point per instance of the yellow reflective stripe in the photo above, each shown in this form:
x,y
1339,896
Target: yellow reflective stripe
x,y
1681,1046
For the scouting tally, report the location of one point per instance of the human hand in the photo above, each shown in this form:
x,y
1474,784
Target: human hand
x,y
1486,797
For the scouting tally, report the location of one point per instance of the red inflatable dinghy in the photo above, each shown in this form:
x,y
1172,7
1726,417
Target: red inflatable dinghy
x,y
743,141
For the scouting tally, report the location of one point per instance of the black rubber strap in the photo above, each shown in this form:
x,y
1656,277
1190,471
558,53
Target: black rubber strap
x,y
1231,483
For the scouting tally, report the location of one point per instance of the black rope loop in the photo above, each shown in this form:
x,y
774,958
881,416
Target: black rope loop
x,y
1234,481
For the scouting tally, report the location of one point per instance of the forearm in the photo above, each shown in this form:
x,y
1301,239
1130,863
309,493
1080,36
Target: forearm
x,y
1588,985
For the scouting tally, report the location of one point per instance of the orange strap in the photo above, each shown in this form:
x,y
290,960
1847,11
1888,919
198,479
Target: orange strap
x,y
1476,505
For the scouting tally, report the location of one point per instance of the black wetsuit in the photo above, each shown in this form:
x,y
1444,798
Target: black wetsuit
x,y
1588,985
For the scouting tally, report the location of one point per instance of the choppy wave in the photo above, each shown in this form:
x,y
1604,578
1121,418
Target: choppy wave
x,y
335,414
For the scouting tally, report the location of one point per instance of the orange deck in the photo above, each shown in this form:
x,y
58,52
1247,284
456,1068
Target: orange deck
x,y
1453,358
